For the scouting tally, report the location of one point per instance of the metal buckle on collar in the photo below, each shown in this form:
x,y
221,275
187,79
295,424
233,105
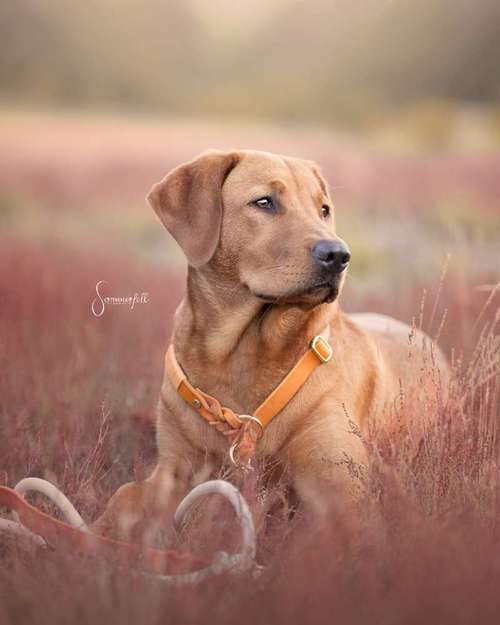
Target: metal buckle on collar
x,y
322,348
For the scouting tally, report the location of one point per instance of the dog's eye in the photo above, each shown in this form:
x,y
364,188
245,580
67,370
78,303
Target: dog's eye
x,y
265,203
325,210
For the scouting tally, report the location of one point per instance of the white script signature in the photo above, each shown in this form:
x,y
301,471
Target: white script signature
x,y
100,302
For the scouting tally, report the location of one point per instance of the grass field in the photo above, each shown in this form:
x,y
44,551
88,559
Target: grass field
x,y
78,393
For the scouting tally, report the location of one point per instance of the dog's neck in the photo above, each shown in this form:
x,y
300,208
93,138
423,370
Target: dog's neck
x,y
219,327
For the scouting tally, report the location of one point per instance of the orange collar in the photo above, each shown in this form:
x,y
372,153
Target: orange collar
x,y
228,422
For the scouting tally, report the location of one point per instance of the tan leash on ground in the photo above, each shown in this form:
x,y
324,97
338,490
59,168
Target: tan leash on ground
x,y
244,430
81,541
167,565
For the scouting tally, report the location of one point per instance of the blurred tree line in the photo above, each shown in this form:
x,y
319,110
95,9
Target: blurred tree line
x,y
320,60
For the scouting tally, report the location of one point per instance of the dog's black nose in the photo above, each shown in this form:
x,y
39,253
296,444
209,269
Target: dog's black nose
x,y
331,255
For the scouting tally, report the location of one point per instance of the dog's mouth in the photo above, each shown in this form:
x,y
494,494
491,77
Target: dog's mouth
x,y
323,292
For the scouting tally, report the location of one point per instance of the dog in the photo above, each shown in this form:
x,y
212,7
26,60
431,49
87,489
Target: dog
x,y
265,271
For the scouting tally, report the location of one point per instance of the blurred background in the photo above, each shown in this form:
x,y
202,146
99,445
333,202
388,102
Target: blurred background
x,y
398,101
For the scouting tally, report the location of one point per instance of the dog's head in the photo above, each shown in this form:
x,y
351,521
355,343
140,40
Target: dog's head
x,y
261,220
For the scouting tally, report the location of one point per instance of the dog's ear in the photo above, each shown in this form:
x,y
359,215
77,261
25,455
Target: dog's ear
x,y
189,203
319,177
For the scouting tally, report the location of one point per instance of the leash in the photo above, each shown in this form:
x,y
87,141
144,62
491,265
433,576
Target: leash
x,y
167,565
244,430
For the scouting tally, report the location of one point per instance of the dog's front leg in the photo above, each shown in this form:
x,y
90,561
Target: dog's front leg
x,y
139,511
327,460
126,513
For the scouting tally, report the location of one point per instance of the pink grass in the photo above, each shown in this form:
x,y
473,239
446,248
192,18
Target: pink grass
x,y
77,394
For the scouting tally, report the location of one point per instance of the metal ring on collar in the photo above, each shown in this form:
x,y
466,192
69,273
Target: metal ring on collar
x,y
249,417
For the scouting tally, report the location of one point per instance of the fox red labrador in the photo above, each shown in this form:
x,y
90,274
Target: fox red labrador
x,y
265,271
